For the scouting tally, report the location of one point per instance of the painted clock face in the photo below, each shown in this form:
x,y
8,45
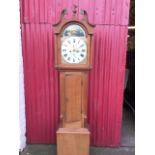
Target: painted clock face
x,y
73,45
74,50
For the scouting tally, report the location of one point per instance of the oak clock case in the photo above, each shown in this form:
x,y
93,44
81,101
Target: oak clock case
x,y
73,60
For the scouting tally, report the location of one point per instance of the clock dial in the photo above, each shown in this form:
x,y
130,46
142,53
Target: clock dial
x,y
74,50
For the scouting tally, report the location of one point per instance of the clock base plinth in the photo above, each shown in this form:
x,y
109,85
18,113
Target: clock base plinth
x,y
73,141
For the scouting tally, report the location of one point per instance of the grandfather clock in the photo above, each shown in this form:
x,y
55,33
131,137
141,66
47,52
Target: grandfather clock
x,y
73,60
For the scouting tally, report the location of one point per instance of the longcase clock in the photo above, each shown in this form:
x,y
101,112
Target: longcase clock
x,y
73,60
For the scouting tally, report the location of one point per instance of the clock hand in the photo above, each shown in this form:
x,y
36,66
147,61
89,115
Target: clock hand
x,y
73,48
76,57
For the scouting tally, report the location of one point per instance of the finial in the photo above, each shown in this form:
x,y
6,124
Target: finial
x,y
64,12
74,10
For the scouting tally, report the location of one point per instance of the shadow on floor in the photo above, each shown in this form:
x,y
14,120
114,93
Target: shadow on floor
x,y
127,147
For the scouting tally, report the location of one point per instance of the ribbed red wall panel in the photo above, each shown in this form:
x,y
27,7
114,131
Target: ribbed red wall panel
x,y
106,78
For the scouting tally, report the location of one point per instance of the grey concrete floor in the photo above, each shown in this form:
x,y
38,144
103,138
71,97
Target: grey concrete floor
x,y
127,147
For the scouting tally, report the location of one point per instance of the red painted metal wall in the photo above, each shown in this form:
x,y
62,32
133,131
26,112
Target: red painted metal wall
x,y
106,78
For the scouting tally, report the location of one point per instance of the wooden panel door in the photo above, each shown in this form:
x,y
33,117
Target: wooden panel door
x,y
73,98
73,84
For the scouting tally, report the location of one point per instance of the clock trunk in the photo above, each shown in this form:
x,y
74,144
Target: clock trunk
x,y
73,98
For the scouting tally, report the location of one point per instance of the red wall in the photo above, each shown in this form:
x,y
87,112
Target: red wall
x,y
106,77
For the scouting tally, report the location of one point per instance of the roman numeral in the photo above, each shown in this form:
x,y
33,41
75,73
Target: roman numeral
x,y
65,55
81,55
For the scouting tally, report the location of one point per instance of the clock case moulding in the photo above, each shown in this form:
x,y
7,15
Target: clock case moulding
x,y
58,29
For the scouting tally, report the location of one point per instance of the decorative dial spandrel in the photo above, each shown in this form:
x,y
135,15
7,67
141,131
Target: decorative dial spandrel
x,y
73,45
